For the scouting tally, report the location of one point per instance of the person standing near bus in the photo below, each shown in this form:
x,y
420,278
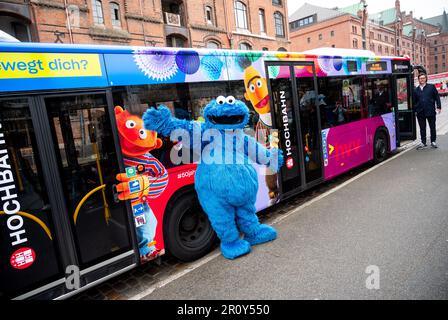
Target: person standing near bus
x,y
426,98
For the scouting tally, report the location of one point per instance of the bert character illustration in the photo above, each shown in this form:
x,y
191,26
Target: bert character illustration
x,y
257,93
145,178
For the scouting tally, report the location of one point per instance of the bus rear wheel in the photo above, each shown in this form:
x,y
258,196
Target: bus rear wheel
x,y
187,231
380,147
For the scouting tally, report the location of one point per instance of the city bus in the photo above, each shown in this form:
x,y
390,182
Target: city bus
x,y
79,171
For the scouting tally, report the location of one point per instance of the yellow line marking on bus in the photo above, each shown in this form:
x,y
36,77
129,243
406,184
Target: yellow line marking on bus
x,y
35,219
87,196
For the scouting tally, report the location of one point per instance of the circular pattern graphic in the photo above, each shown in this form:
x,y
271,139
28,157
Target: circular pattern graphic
x,y
156,64
212,67
325,63
274,71
338,63
188,61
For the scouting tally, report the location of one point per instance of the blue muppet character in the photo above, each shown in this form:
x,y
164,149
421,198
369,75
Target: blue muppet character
x,y
225,181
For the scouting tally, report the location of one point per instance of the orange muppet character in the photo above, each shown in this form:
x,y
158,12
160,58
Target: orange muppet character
x,y
257,93
145,178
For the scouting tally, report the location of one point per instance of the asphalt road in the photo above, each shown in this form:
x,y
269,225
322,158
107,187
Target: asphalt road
x,y
394,218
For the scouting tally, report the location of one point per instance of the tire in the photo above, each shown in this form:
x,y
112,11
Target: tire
x,y
380,147
188,233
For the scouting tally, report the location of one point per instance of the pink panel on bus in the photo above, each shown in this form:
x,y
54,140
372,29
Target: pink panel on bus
x,y
351,145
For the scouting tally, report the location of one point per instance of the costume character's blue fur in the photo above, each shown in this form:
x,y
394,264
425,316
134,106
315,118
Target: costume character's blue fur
x,y
226,191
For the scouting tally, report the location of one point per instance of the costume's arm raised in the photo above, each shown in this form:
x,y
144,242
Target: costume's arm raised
x,y
161,121
272,158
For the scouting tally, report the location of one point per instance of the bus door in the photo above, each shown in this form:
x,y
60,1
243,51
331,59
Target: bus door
x,y
406,123
29,250
293,92
86,158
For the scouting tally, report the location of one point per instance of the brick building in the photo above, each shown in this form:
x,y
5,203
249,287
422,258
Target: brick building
x,y
241,24
390,32
438,40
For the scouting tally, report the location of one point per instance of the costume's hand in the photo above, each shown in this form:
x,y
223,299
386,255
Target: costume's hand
x,y
153,118
131,188
274,140
439,111
277,159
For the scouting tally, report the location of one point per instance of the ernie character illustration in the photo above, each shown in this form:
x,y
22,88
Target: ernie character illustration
x,y
257,93
145,178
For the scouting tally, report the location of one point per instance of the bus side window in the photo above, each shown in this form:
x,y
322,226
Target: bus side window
x,y
340,100
378,96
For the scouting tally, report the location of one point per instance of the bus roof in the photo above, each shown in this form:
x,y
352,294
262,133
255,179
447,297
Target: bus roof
x,y
41,66
88,48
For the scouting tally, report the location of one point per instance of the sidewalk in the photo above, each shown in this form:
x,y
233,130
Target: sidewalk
x,y
394,217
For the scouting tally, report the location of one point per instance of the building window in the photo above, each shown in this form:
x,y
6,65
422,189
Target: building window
x,y
303,22
279,25
354,30
265,49
97,12
332,33
115,14
333,46
262,19
380,37
277,2
241,15
175,41
213,44
209,15
320,36
380,49
308,40
387,50
386,39
355,43
281,49
372,35
245,46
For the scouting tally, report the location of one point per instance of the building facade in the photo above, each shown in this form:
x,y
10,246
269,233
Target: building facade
x,y
390,32
438,40
229,24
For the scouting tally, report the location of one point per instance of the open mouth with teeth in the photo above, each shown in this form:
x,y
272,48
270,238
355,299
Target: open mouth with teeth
x,y
232,120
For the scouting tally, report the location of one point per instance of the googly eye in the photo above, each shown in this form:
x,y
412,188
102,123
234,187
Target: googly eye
x,y
230,100
221,100
252,88
143,134
130,124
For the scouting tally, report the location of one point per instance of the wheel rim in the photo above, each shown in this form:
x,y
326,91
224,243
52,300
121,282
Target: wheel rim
x,y
194,230
381,148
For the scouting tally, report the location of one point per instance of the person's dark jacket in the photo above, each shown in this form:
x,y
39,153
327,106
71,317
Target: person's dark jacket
x,y
425,100
380,102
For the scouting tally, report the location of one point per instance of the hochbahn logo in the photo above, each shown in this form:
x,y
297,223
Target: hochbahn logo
x,y
10,206
286,132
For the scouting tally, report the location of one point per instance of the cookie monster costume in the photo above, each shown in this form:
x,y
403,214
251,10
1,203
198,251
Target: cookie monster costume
x,y
227,190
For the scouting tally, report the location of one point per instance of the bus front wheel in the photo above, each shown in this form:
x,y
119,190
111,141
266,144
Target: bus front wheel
x,y
188,233
380,149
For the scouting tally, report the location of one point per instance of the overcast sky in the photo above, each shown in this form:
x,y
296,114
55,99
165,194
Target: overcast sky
x,y
421,8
